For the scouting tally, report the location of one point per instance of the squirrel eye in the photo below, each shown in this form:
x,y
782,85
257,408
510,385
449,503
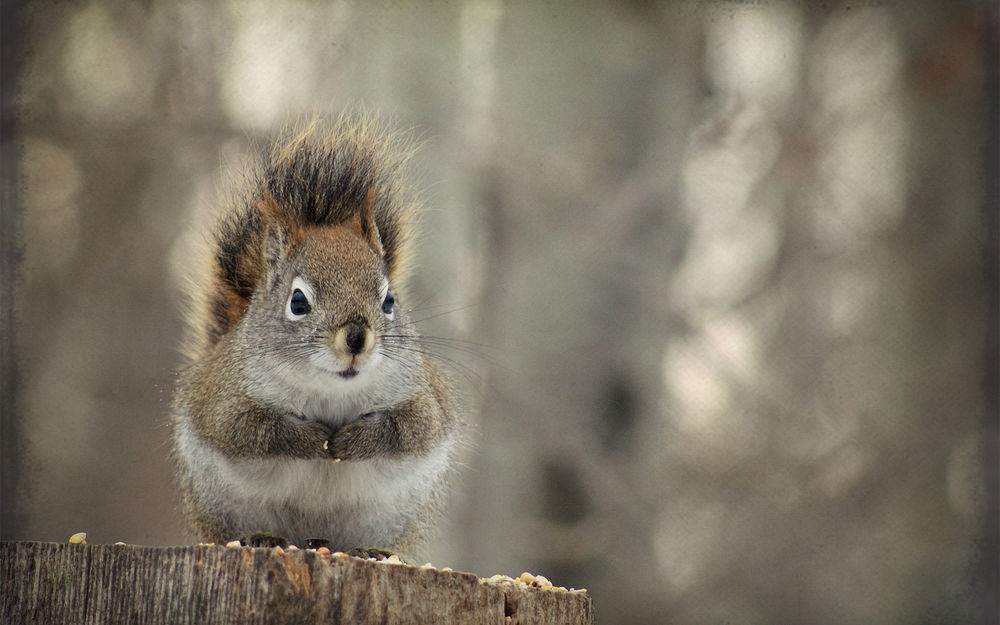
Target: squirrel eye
x,y
300,301
298,304
388,303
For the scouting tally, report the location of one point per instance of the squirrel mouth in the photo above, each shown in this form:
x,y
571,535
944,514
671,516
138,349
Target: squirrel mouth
x,y
348,373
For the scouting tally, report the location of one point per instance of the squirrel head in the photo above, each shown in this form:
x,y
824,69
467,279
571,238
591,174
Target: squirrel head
x,y
330,209
326,288
324,312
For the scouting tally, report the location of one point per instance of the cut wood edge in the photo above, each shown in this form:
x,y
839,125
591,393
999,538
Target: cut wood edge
x,y
81,583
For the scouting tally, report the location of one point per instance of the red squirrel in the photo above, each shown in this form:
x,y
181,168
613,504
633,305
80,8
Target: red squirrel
x,y
307,408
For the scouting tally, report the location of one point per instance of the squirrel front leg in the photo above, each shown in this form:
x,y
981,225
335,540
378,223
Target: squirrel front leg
x,y
409,428
256,431
240,426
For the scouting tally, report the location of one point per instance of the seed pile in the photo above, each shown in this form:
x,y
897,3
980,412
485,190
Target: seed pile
x,y
528,579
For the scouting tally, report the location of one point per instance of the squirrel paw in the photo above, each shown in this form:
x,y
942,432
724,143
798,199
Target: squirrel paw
x,y
354,441
370,552
316,543
263,540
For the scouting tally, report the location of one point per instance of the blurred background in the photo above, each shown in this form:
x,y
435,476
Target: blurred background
x,y
720,277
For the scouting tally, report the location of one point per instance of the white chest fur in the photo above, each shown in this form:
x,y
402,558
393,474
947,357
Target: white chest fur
x,y
365,503
313,390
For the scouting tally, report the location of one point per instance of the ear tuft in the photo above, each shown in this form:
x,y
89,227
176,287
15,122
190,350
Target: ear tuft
x,y
275,246
363,223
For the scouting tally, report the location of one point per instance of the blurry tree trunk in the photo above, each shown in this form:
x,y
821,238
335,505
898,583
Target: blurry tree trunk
x,y
990,562
10,253
62,583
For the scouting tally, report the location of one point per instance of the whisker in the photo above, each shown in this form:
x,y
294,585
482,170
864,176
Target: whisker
x,y
434,344
407,354
441,314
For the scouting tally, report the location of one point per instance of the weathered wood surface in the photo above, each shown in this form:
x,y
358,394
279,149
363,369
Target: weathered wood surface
x,y
89,584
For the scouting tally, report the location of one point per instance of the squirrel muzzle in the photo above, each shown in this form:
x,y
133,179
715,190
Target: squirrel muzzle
x,y
352,344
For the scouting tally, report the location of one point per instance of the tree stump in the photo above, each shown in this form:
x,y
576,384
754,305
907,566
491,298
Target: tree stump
x,y
89,584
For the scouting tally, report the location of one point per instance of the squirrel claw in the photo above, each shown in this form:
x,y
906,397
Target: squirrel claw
x,y
366,553
263,539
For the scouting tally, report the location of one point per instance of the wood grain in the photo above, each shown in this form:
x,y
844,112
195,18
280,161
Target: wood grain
x,y
90,584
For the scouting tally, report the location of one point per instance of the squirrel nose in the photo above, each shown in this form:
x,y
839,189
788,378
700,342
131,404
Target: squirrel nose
x,y
354,338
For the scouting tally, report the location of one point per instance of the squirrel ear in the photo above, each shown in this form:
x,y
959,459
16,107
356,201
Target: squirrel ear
x,y
275,244
363,223
275,248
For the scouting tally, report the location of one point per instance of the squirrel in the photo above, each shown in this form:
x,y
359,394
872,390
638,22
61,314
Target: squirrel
x,y
307,410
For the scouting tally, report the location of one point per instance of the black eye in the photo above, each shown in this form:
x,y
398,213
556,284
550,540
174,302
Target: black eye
x,y
388,303
298,305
